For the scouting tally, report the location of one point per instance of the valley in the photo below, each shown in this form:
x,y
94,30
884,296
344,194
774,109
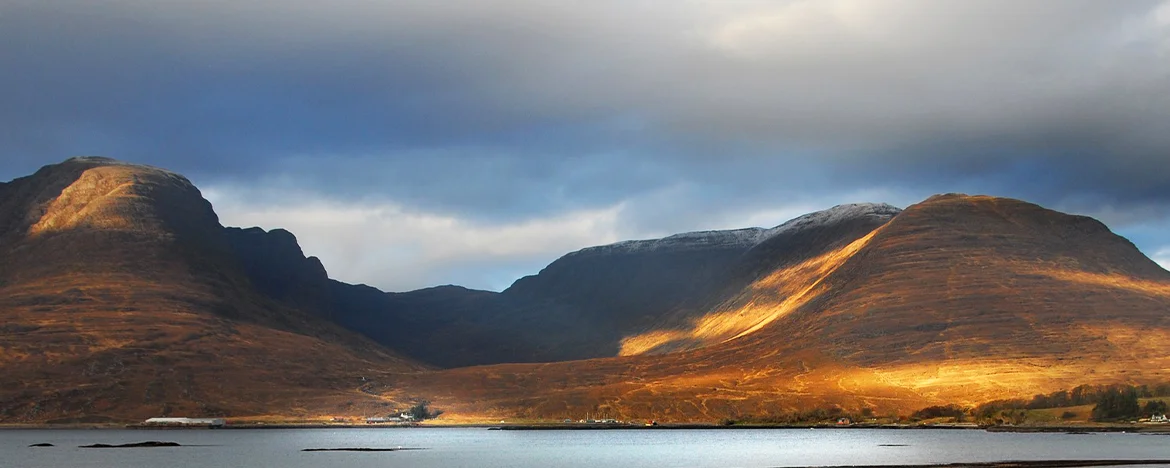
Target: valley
x,y
123,297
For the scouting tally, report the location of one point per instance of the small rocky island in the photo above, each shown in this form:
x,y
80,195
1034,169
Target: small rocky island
x,y
147,444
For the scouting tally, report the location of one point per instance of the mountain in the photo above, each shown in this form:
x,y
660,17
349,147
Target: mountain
x,y
959,299
589,303
122,296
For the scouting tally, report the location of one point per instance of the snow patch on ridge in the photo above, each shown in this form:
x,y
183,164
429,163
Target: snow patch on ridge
x,y
733,238
833,216
747,237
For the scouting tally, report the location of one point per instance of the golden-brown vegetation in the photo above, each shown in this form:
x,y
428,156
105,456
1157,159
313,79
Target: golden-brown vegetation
x,y
119,302
954,301
122,299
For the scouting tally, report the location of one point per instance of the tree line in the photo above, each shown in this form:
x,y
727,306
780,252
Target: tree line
x,y
1111,403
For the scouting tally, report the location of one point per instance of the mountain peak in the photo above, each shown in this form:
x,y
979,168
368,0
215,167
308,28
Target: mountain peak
x,y
978,200
957,204
124,271
1026,231
94,160
832,216
746,238
98,194
91,162
948,196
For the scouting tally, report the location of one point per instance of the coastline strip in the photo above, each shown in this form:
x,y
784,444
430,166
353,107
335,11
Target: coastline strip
x,y
359,449
1018,464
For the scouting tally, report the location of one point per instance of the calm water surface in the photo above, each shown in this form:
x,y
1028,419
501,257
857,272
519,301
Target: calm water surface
x,y
481,448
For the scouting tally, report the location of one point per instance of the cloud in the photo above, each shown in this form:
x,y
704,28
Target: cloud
x,y
497,113
387,245
1163,257
910,90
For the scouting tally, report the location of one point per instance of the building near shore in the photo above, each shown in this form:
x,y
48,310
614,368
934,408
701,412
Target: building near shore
x,y
201,422
403,417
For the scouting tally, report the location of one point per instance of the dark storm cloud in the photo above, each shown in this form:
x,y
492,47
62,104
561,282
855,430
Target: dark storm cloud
x,y
361,99
687,114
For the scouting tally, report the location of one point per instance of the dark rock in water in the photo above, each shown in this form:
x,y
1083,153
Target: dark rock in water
x,y
42,445
147,444
358,449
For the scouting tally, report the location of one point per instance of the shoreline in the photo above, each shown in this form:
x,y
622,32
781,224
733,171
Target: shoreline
x,y
1018,464
1016,429
1078,429
686,426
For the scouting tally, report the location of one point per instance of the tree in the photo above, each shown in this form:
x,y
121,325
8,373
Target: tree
x,y
1116,403
421,411
1014,416
1154,407
949,411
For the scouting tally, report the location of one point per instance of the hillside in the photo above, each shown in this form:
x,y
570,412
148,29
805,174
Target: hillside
x,y
590,303
121,296
958,299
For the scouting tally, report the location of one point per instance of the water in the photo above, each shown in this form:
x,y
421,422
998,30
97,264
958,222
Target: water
x,y
480,448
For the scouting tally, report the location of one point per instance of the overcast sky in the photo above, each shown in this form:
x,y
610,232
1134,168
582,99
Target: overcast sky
x,y
415,143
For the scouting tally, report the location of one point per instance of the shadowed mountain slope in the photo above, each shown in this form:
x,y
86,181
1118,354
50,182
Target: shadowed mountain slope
x,y
589,303
121,295
958,299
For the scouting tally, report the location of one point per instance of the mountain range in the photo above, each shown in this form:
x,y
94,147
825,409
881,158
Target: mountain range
x,y
123,297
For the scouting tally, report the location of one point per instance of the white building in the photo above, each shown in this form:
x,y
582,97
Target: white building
x,y
209,422
398,418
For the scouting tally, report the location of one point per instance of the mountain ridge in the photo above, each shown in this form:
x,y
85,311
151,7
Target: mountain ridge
x,y
123,297
587,302
958,300
742,237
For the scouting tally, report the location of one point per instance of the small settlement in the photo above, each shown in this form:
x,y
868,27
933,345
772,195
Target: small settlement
x,y
401,418
185,422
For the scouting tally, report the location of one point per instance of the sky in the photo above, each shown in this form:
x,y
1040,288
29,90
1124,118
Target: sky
x,y
417,143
